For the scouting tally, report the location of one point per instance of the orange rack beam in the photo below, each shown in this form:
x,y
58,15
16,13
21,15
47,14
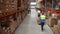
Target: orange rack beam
x,y
8,14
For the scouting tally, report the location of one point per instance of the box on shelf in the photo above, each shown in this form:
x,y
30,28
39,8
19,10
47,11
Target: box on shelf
x,y
6,31
19,19
13,25
54,21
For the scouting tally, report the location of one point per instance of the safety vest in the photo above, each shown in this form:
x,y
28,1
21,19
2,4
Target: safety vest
x,y
42,17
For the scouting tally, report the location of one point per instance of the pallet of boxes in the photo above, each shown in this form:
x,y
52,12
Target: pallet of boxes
x,y
56,28
52,20
54,24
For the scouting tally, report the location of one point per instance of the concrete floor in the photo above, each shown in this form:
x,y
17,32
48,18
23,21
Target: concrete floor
x,y
30,26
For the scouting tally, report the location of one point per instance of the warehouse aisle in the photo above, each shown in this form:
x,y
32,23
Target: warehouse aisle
x,y
30,26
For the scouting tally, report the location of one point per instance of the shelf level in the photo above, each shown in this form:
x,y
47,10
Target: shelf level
x,y
8,14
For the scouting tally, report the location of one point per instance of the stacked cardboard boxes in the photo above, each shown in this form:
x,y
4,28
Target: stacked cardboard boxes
x,y
8,5
24,8
56,28
55,24
13,24
12,13
19,19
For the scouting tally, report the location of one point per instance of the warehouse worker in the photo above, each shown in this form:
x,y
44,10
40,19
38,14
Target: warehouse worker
x,y
38,13
42,18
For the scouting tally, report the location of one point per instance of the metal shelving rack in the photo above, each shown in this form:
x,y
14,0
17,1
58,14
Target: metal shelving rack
x,y
51,3
15,13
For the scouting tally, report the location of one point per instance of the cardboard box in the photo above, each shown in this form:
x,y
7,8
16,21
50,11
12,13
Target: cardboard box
x,y
19,20
56,29
13,25
53,22
6,30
